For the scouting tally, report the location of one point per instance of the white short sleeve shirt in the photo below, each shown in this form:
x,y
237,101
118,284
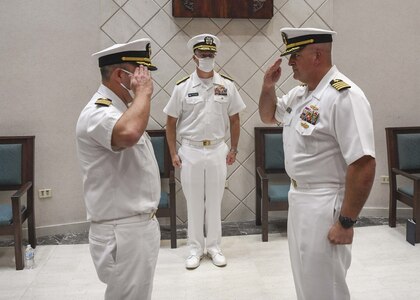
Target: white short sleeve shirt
x,y
326,130
116,183
203,110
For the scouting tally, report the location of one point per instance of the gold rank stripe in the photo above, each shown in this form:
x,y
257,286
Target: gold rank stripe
x,y
205,47
182,80
297,44
141,59
340,86
103,102
226,77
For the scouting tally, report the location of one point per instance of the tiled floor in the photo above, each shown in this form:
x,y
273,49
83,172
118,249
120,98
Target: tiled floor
x,y
384,267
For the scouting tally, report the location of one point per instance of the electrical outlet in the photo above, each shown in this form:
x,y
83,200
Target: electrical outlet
x,y
385,179
44,193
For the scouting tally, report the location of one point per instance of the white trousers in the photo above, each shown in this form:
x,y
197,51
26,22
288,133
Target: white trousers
x,y
203,176
319,267
125,257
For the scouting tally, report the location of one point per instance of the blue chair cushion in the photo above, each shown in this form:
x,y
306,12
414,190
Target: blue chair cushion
x,y
164,200
278,192
158,143
406,189
6,215
273,152
10,162
408,151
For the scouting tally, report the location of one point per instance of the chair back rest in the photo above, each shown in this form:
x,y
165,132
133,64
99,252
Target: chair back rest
x,y
161,149
269,152
273,151
10,164
409,151
16,161
403,145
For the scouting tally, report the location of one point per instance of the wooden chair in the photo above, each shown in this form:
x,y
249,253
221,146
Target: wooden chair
x,y
403,146
167,204
17,174
271,193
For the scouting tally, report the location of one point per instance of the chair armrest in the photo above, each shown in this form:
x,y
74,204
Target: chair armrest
x,y
261,173
22,190
405,174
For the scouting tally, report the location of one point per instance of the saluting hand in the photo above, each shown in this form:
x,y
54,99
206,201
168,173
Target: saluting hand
x,y
272,75
141,81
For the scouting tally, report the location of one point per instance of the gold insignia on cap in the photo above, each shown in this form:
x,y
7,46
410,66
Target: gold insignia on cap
x,y
284,37
339,84
208,40
149,49
103,102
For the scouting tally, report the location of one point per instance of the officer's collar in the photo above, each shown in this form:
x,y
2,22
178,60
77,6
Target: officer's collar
x,y
317,93
109,94
217,79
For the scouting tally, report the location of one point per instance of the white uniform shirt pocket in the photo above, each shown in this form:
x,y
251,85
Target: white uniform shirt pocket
x,y
192,102
307,142
219,106
304,128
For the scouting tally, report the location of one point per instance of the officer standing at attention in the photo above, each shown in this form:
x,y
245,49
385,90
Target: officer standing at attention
x,y
329,156
201,109
120,174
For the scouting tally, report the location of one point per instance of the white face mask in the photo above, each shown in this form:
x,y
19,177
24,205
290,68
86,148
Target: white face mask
x,y
128,89
206,64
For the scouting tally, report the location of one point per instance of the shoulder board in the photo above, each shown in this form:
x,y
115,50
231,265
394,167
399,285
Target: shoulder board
x,y
339,84
103,102
182,80
226,77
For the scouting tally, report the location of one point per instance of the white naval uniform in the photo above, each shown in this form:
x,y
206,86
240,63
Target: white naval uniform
x,y
203,114
336,131
121,192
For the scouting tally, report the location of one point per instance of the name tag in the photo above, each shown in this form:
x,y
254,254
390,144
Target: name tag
x,y
192,94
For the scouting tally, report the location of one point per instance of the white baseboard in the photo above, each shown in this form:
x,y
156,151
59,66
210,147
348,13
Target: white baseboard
x,y
77,227
62,228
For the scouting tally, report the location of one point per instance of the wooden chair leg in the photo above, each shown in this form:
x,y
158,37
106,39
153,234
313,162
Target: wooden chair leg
x,y
258,211
416,210
392,218
264,217
258,202
31,219
173,230
20,263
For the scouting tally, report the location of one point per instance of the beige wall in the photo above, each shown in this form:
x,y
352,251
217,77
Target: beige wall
x,y
48,75
377,46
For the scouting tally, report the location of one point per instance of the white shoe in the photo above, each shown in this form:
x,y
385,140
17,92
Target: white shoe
x,y
218,259
193,261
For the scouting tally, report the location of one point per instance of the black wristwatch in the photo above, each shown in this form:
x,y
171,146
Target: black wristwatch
x,y
346,222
